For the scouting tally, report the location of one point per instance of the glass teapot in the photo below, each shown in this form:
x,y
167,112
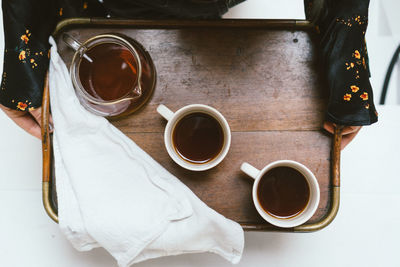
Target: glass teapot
x,y
112,74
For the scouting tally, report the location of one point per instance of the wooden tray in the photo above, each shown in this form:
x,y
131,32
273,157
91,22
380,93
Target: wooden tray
x,y
264,78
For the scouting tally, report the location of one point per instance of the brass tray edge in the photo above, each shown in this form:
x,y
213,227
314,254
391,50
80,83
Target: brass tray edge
x,y
46,150
290,24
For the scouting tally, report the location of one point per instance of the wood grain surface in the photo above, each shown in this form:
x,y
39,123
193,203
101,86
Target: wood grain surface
x,y
267,84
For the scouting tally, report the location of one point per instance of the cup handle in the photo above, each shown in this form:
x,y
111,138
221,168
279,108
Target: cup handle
x,y
165,112
249,170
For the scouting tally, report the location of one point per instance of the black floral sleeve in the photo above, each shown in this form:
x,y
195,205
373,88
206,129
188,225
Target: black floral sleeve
x,y
342,25
27,27
26,31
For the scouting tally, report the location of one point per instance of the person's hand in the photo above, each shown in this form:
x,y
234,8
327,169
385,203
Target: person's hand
x,y
348,132
30,121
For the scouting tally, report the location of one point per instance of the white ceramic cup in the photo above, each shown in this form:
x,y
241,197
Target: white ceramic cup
x,y
313,201
173,118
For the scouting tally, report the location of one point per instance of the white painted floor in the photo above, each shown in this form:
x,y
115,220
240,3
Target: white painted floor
x,y
365,232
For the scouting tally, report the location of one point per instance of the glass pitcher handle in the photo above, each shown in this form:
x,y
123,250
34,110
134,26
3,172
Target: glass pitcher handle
x,y
71,41
76,46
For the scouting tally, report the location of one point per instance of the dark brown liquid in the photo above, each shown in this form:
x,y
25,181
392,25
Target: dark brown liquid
x,y
283,192
111,75
198,137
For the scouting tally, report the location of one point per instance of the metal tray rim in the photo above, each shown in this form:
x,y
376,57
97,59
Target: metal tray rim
x,y
171,24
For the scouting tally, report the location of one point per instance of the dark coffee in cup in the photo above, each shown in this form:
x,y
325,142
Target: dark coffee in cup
x,y
283,192
198,138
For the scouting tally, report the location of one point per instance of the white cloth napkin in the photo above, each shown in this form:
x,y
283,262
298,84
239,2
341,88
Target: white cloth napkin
x,y
112,194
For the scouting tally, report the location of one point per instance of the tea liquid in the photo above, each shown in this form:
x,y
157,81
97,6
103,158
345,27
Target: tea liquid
x,y
112,72
198,138
283,192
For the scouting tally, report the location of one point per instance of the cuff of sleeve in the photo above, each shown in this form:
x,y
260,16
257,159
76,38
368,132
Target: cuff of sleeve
x,y
353,119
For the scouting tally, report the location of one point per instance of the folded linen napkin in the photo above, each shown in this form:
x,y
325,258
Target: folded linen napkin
x,y
112,194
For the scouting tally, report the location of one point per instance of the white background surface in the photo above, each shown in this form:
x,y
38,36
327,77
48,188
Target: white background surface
x,y
365,232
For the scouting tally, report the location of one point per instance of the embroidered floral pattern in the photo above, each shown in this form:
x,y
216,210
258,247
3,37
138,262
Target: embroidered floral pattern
x,y
364,96
22,55
357,54
354,64
354,88
33,63
349,66
358,20
25,37
357,58
25,56
22,106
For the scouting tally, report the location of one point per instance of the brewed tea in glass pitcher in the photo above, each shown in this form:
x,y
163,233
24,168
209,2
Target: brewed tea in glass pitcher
x,y
113,75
